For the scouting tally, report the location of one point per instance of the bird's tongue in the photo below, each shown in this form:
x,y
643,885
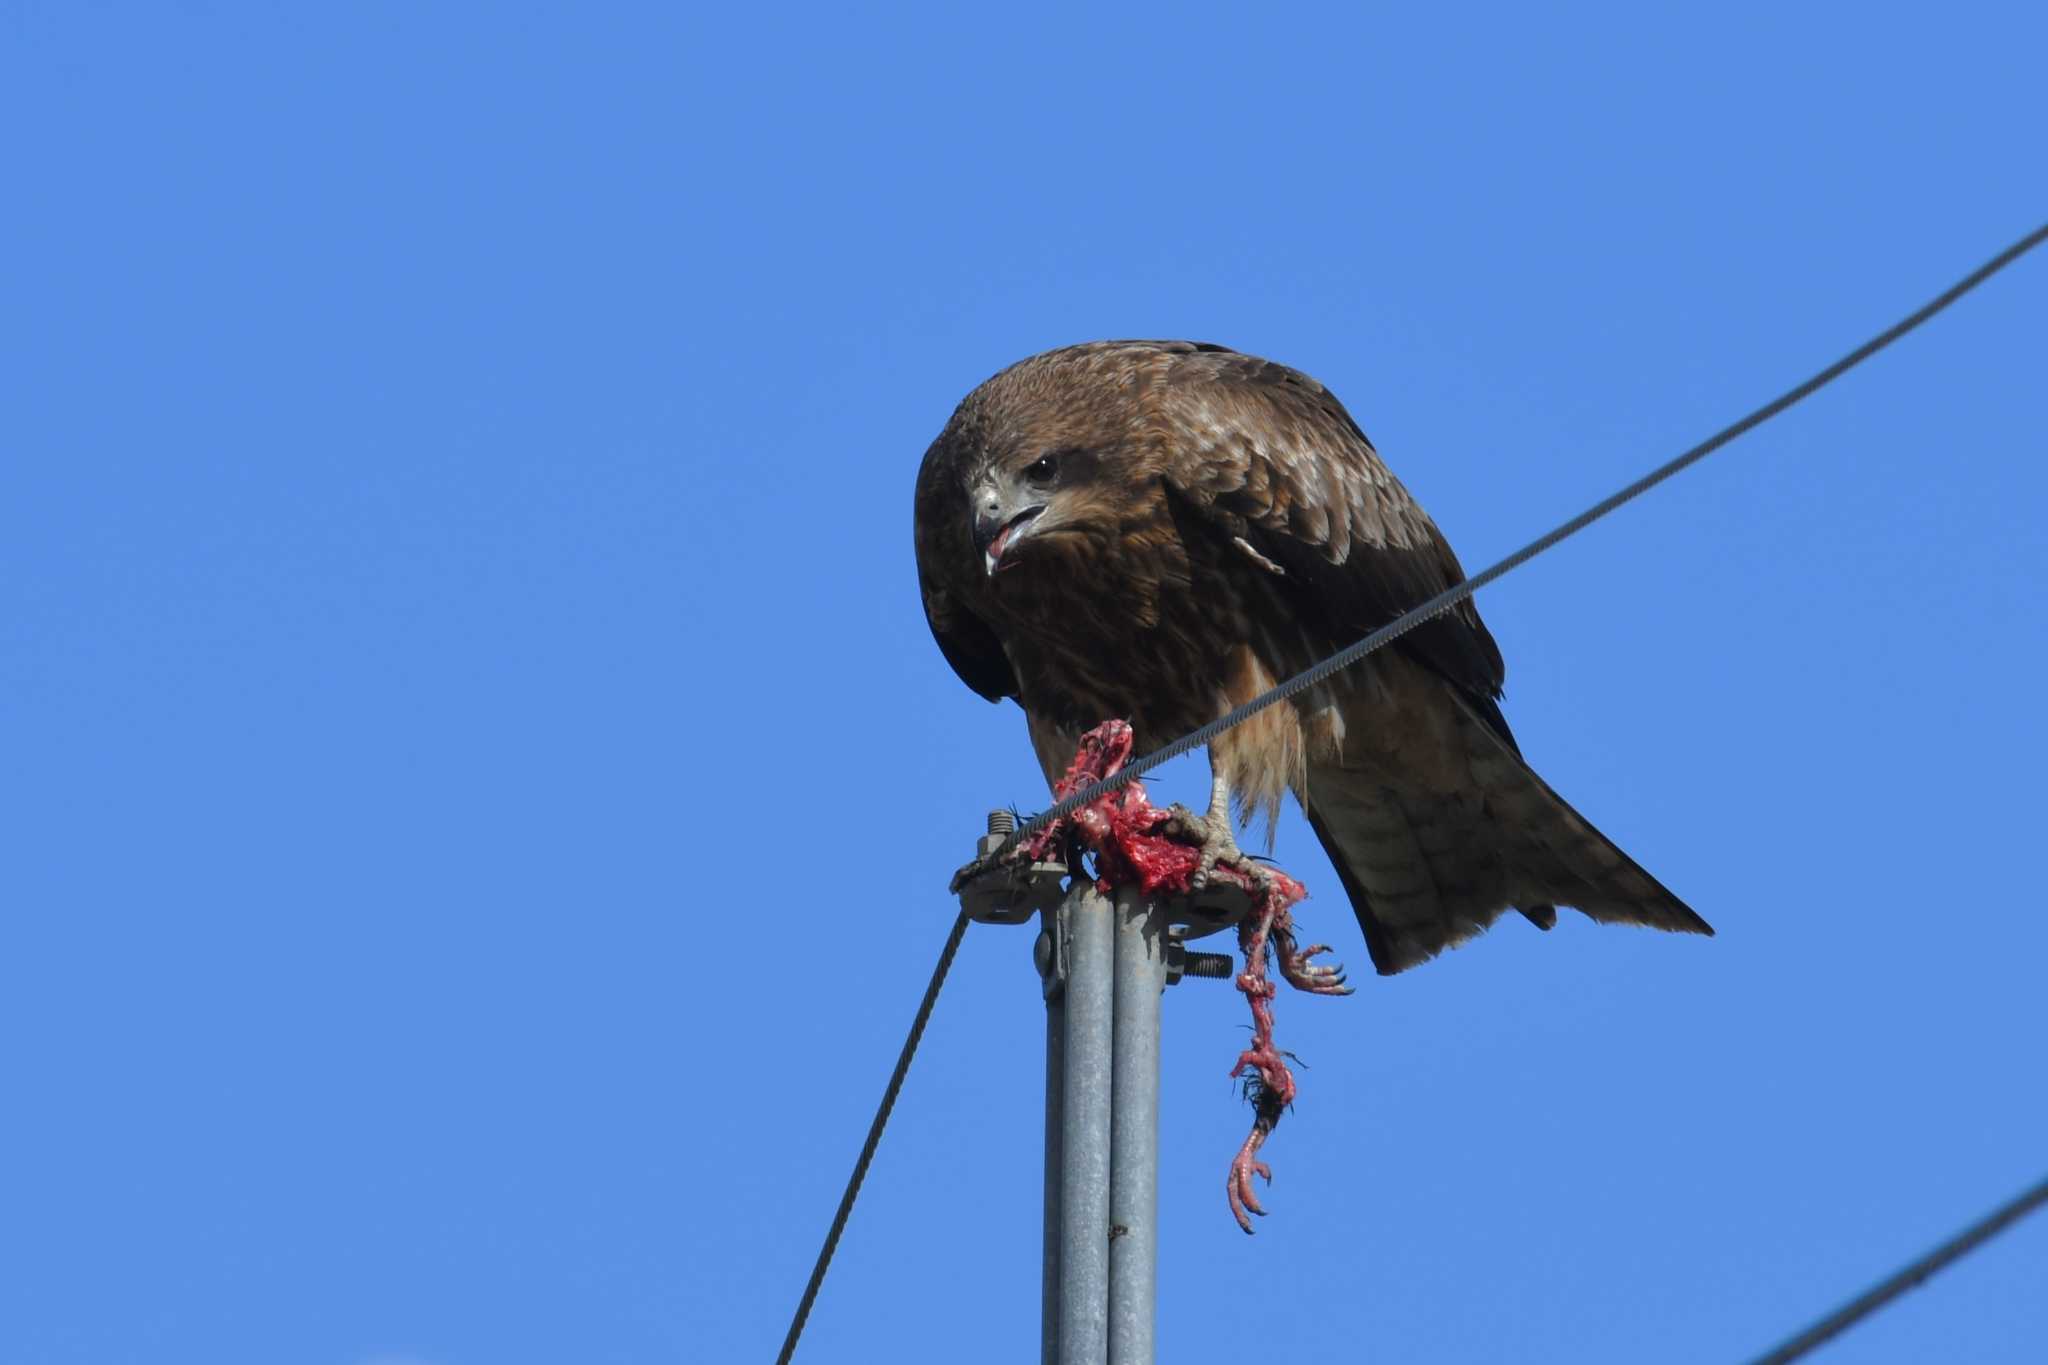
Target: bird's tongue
x,y
1001,543
992,557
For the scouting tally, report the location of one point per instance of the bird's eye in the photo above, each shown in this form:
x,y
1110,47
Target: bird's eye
x,y
1043,470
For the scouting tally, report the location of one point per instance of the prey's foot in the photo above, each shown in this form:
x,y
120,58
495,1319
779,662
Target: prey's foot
x,y
1269,1085
1296,968
1243,1200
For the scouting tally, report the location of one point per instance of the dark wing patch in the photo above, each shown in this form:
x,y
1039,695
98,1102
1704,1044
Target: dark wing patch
x,y
1274,457
941,533
969,645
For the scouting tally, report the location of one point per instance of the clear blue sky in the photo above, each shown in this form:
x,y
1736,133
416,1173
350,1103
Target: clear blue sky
x,y
479,791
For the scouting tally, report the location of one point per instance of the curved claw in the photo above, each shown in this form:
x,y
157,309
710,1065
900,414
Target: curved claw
x,y
1243,1199
1317,978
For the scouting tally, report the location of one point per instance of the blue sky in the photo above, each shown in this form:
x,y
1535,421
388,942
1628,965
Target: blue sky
x,y
480,791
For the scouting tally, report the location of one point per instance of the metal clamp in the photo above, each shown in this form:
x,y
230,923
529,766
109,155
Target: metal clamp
x,y
1013,894
1218,906
1010,895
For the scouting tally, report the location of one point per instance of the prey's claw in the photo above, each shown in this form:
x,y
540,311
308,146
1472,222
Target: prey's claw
x,y
1243,1199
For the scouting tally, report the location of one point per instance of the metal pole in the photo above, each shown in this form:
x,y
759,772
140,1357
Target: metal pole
x,y
1104,967
1052,974
1084,1126
1134,1128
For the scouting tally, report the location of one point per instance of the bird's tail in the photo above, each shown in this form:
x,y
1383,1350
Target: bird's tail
x,y
1427,870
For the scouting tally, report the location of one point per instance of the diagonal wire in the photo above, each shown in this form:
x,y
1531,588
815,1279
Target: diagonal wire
x,y
1949,1252
1351,654
1453,595
867,1150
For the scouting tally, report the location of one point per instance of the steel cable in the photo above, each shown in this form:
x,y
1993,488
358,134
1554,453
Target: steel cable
x,y
1949,1252
1351,654
1453,595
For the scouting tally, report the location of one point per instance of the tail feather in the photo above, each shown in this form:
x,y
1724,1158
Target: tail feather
x,y
1428,869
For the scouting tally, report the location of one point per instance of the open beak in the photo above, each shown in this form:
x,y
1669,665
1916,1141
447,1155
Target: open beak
x,y
993,536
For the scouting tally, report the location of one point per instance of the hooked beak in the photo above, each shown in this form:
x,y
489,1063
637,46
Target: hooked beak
x,y
994,536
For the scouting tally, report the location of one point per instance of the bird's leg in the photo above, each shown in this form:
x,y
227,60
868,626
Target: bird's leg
x,y
1212,832
1219,848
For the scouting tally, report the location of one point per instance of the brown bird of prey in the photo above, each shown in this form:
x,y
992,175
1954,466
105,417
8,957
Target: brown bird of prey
x,y
1160,530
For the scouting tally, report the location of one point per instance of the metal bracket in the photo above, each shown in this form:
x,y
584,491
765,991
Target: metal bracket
x,y
1010,895
1216,907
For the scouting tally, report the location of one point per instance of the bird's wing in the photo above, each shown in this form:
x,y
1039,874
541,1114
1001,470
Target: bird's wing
x,y
943,543
1273,456
1436,835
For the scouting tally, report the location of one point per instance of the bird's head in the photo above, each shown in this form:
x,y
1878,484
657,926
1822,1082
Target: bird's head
x,y
1040,470
1027,494
1044,454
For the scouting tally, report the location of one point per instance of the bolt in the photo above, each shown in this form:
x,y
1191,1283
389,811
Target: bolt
x,y
1002,822
1218,965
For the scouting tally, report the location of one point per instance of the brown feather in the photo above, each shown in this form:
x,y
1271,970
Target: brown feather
x,y
1219,522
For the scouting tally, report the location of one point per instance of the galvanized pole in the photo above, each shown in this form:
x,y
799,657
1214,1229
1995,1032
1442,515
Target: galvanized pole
x,y
1134,1128
1104,968
1090,955
1052,974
